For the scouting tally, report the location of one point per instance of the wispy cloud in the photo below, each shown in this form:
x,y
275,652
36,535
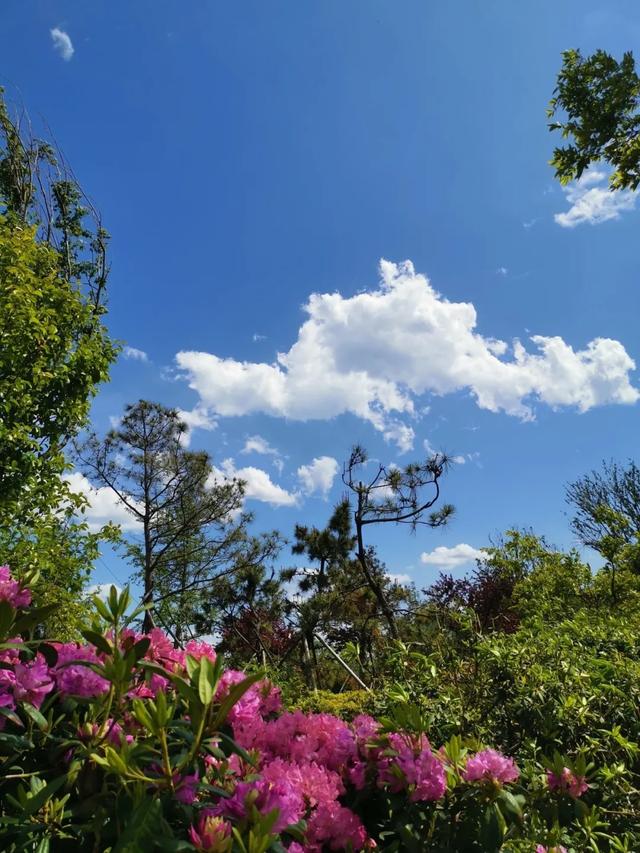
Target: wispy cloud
x,y
502,271
593,202
62,43
133,354
258,444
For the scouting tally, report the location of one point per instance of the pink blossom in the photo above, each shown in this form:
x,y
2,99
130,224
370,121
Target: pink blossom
x,y
267,797
567,783
316,784
12,591
33,681
186,788
212,834
76,679
491,765
559,849
412,764
335,827
197,650
6,701
300,737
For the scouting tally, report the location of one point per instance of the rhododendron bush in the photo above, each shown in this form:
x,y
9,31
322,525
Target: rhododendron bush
x,y
125,743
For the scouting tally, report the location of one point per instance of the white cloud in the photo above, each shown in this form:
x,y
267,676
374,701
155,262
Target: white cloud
x,y
401,579
62,43
197,418
256,337
450,558
103,505
134,354
502,271
373,354
592,201
317,477
258,484
258,444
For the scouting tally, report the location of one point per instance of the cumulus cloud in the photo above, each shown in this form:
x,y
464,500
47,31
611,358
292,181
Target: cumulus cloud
x,y
258,484
450,558
593,202
258,444
373,354
103,505
134,354
197,418
62,43
317,477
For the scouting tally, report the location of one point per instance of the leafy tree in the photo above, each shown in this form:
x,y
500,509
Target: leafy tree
x,y
519,577
192,529
54,352
54,347
393,495
607,506
596,106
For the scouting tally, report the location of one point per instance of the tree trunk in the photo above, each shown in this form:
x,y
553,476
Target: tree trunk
x,y
375,587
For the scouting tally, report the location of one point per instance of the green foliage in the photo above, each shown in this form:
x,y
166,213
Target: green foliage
x,y
595,105
345,705
54,352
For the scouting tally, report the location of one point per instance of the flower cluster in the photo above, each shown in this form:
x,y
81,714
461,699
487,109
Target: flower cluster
x,y
12,591
567,782
491,766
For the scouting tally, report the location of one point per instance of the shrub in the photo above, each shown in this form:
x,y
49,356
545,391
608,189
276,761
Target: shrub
x,y
125,743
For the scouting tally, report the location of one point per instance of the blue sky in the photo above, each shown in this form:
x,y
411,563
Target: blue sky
x,y
248,155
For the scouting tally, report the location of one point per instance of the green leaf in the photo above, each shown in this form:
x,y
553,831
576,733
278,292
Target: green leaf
x,y
206,681
142,828
34,804
35,616
39,719
98,640
7,615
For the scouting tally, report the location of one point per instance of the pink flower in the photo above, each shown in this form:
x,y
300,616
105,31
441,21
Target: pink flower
x,y
316,784
413,765
211,835
12,591
299,737
33,681
559,849
491,765
6,701
77,679
267,797
197,650
336,827
186,788
567,783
